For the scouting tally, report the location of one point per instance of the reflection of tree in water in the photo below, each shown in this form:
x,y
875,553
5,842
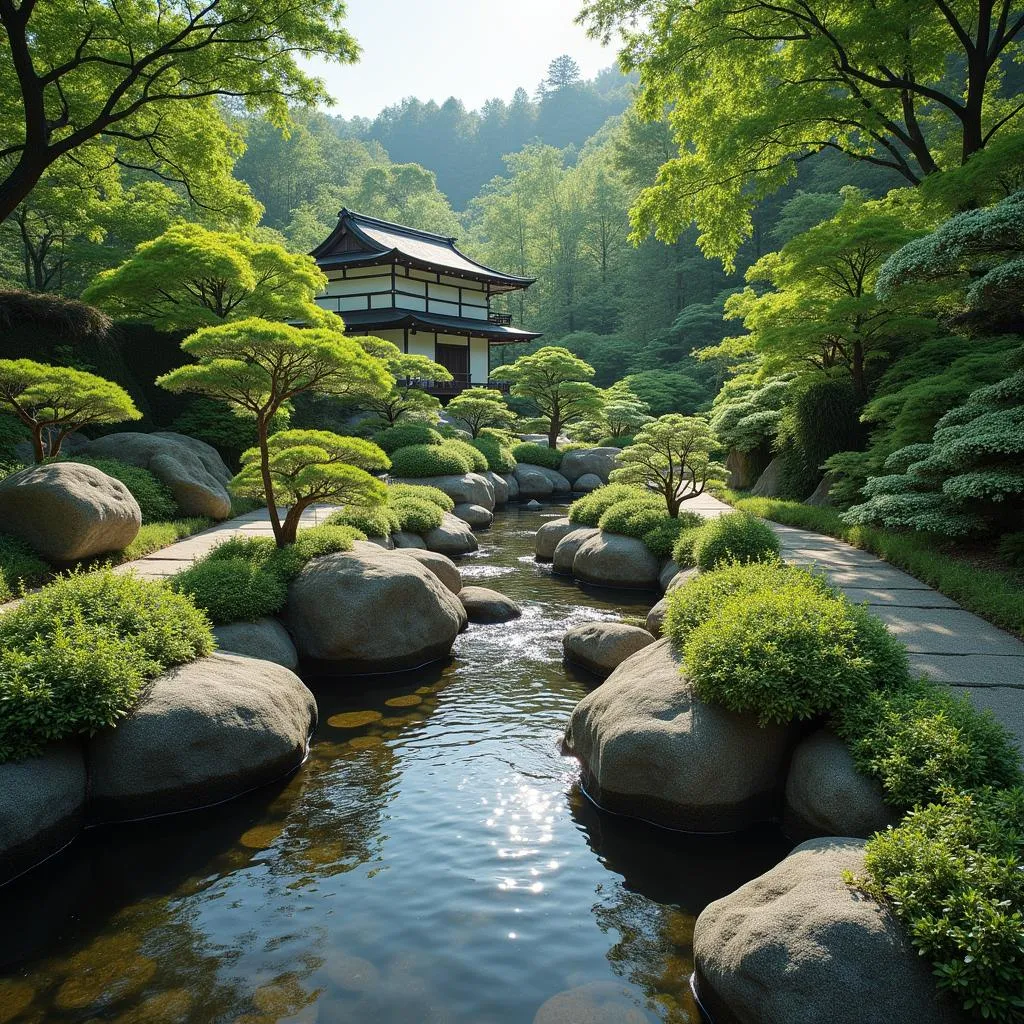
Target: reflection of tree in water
x,y
666,880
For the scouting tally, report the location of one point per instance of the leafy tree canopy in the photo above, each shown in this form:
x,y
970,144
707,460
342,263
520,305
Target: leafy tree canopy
x,y
556,383
191,276
145,79
55,401
406,400
666,391
752,88
478,408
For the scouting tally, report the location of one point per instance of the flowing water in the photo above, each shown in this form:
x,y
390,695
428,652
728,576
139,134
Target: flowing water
x,y
433,861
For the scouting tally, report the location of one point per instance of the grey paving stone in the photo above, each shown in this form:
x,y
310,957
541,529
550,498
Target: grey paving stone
x,y
947,631
1006,703
898,598
879,575
972,669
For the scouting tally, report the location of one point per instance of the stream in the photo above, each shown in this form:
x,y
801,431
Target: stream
x,y
433,862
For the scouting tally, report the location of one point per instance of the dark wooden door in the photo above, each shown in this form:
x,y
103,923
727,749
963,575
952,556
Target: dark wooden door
x,y
455,359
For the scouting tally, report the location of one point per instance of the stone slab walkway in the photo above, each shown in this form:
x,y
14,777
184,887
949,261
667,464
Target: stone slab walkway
x,y
945,642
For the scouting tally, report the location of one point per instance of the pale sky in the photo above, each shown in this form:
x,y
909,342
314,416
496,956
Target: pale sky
x,y
472,49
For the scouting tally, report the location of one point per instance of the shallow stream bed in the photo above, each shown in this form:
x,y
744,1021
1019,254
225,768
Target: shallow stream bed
x,y
433,861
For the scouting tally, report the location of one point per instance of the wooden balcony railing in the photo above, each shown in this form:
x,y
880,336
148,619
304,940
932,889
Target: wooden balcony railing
x,y
449,388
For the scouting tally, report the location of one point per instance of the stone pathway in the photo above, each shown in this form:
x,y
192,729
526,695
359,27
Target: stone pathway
x,y
945,642
173,559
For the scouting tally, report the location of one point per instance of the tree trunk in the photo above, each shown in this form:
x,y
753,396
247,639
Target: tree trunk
x,y
860,387
290,528
37,443
268,482
553,432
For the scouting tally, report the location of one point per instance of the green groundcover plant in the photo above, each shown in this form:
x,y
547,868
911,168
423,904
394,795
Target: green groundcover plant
x,y
75,655
445,459
537,455
405,434
737,536
20,567
424,492
587,511
247,578
500,457
155,500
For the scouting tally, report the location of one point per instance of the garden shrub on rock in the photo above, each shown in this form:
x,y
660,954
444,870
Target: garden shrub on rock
x,y
371,520
416,515
587,511
424,492
477,459
156,502
633,517
75,655
500,457
737,536
403,435
534,454
422,460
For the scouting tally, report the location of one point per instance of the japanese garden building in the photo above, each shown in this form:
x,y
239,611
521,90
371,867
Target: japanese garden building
x,y
417,290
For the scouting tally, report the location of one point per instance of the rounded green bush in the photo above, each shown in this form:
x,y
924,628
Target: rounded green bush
x,y
476,457
919,741
696,601
685,546
315,542
404,435
616,442
155,500
537,454
423,492
75,655
737,536
587,511
371,520
633,517
781,655
420,460
415,515
499,457
661,539
234,589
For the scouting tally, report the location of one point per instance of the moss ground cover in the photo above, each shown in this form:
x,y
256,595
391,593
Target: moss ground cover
x,y
778,642
75,655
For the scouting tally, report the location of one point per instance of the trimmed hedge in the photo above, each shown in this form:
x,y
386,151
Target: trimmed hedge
x,y
404,435
417,515
75,655
155,499
734,537
500,458
432,494
371,520
633,517
537,454
587,511
420,460
661,540
478,460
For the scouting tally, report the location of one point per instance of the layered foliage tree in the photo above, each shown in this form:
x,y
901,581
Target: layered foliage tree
x,y
557,384
672,457
479,408
405,400
143,80
55,401
753,88
190,277
310,466
256,366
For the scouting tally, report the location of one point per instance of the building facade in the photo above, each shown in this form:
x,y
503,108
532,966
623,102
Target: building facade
x,y
417,290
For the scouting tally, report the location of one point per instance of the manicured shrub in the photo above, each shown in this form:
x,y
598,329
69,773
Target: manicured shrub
x,y
633,517
919,740
422,491
404,435
234,589
662,539
951,872
537,454
615,442
155,499
20,567
419,460
478,461
587,511
316,542
737,536
499,456
371,520
781,655
417,515
74,656
685,546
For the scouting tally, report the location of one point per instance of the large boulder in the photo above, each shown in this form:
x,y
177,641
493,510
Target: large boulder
x,y
193,471
42,807
512,484
797,945
440,565
201,733
488,606
466,489
559,484
68,511
681,578
452,538
769,483
474,516
668,572
611,560
265,639
597,462
827,796
600,647
655,623
566,548
533,482
820,495
366,611
404,539
651,748
587,483
499,485
742,467
550,533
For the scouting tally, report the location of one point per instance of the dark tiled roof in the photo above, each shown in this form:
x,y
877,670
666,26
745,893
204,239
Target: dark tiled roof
x,y
392,319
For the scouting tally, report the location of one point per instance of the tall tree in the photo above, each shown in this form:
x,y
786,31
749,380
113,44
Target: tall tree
x,y
563,71
754,87
144,78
